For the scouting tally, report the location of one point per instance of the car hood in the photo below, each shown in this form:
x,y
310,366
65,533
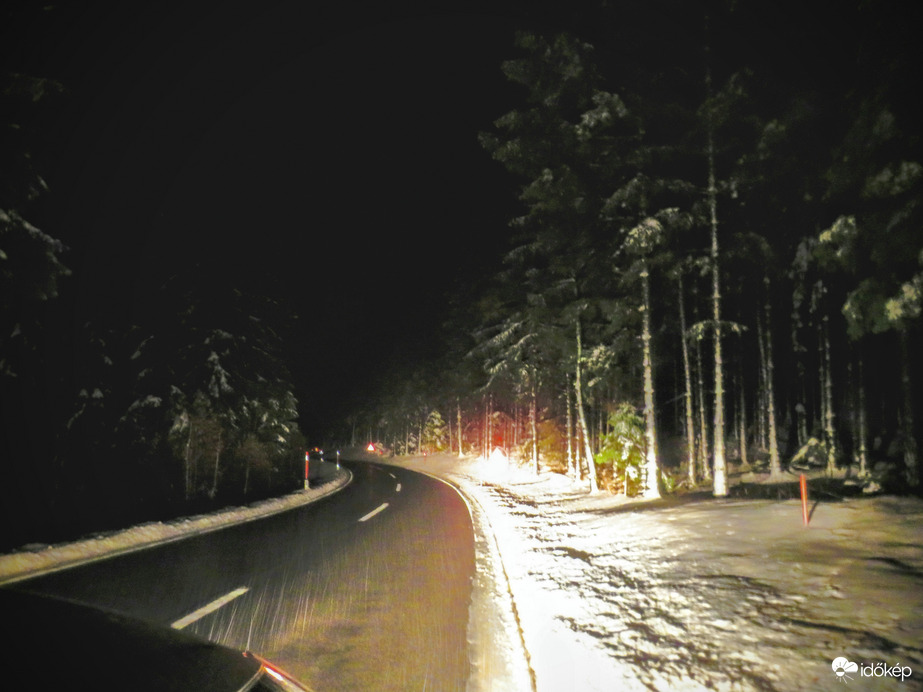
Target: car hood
x,y
53,643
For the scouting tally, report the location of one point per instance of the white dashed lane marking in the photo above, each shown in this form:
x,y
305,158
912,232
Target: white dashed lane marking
x,y
375,511
210,608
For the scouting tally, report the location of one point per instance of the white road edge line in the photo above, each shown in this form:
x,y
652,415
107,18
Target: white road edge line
x,y
375,511
210,608
493,554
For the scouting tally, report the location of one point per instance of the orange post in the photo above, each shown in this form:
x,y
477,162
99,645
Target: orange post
x,y
804,499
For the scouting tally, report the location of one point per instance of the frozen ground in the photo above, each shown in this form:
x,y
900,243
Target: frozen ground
x,y
577,592
705,594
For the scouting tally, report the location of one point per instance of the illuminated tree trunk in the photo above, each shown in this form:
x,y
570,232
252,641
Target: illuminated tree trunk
x,y
571,462
488,432
652,485
515,425
911,470
762,424
762,406
533,415
421,426
829,431
742,419
702,447
801,411
581,416
247,476
687,372
187,458
775,463
214,490
720,462
861,423
458,418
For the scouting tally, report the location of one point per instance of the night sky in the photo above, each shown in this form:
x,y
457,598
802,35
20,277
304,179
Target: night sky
x,y
329,151
326,152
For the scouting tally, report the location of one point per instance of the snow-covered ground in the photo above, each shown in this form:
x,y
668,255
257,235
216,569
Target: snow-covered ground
x,y
577,592
610,594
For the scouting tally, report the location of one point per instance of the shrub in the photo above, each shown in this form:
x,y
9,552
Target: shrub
x,y
621,451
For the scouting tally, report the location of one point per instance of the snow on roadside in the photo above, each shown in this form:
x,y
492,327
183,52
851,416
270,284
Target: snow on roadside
x,y
46,558
496,648
579,592
704,594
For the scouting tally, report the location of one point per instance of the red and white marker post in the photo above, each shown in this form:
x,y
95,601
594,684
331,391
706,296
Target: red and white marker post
x,y
804,499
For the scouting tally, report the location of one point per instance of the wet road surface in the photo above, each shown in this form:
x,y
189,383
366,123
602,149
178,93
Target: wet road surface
x,y
366,589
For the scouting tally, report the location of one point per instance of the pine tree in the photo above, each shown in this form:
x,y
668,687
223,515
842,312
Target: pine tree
x,y
688,407
719,463
542,144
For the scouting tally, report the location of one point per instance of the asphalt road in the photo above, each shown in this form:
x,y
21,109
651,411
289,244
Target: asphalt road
x,y
367,589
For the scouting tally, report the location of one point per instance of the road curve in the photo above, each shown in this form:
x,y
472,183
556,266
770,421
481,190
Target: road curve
x,y
367,589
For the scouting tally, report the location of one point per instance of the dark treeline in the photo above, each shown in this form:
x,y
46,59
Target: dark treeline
x,y
719,261
187,408
156,399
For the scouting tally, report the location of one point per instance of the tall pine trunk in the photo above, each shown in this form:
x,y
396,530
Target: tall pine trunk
x,y
703,452
764,335
720,462
687,372
775,463
827,394
488,430
571,461
742,417
533,419
652,472
420,438
458,416
801,403
762,398
862,426
214,488
911,470
581,416
762,435
187,460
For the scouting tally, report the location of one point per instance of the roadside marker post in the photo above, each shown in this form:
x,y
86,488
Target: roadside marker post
x,y
307,461
804,499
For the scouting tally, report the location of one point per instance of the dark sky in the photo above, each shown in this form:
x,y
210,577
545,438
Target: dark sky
x,y
329,149
325,150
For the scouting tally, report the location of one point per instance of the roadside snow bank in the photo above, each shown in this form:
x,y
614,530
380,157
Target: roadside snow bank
x,y
497,651
695,593
30,563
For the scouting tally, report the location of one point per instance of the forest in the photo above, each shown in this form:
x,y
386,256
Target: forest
x,y
108,420
719,261
188,410
716,267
